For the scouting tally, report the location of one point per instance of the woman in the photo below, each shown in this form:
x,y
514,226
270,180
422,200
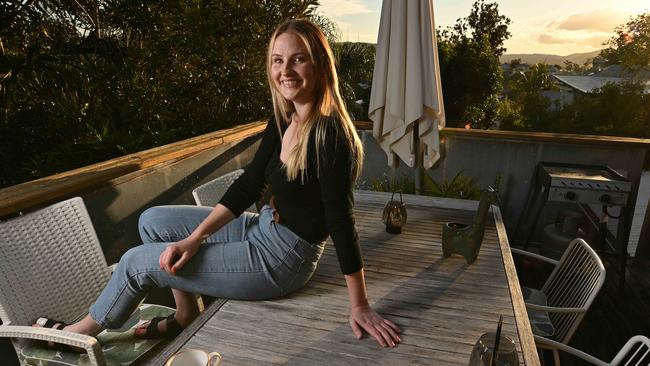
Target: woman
x,y
310,156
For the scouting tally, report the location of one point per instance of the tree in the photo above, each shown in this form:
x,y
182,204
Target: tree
x,y
514,63
509,116
537,78
471,75
630,45
573,68
355,63
526,108
617,110
470,68
82,82
614,110
484,21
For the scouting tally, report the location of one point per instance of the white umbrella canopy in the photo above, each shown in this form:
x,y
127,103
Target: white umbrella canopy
x,y
406,94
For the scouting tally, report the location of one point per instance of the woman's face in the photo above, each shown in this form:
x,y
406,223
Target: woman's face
x,y
292,70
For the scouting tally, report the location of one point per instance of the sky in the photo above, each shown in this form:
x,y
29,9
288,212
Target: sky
x,y
559,27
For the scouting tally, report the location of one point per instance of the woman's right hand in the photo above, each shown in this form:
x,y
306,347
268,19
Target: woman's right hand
x,y
176,255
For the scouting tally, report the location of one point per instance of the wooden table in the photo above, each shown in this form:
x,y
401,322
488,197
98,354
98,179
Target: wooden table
x,y
441,304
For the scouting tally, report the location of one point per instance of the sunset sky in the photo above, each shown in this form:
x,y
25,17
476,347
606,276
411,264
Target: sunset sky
x,y
558,27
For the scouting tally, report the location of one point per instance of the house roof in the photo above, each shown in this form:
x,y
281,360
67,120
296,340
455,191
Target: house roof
x,y
620,71
588,84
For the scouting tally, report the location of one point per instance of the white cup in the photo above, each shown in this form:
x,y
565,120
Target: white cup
x,y
194,357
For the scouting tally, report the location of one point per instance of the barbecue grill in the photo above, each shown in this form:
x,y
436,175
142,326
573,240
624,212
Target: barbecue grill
x,y
584,185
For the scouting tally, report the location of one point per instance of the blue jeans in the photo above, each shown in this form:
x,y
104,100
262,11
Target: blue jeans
x,y
251,258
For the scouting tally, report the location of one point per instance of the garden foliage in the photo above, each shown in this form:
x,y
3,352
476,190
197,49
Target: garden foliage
x,y
85,81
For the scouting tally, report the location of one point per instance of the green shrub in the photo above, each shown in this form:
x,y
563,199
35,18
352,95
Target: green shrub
x,y
404,184
460,186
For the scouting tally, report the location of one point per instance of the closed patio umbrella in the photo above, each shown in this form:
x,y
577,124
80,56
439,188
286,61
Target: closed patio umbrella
x,y
406,104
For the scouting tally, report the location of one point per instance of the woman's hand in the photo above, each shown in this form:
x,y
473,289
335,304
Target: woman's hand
x,y
176,255
383,330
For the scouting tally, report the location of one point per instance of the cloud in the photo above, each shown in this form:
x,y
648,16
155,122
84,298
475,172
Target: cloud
x,y
593,40
597,41
582,39
579,31
338,8
601,20
549,39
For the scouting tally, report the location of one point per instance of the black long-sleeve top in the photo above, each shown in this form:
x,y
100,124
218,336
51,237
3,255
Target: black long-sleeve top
x,y
322,204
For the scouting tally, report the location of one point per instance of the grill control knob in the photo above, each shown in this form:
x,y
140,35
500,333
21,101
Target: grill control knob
x,y
605,198
570,195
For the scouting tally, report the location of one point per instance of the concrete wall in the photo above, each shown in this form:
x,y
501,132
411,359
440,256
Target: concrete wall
x,y
115,207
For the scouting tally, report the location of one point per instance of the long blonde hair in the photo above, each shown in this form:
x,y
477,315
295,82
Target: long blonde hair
x,y
327,101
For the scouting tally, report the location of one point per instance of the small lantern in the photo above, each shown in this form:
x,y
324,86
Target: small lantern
x,y
394,216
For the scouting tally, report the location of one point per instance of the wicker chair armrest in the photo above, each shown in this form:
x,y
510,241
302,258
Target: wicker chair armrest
x,y
546,343
90,344
534,255
553,309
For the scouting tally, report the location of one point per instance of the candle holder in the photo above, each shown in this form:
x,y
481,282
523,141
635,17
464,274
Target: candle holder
x,y
466,239
494,349
394,216
483,353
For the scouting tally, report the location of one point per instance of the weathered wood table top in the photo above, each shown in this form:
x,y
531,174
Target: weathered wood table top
x,y
442,305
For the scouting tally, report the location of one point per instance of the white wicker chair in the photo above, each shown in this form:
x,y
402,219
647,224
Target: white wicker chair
x,y
636,352
210,193
52,265
567,294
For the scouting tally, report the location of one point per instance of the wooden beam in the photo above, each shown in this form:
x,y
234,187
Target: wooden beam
x,y
48,189
564,138
529,350
363,125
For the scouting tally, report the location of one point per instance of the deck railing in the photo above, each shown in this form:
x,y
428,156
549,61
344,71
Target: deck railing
x,y
52,188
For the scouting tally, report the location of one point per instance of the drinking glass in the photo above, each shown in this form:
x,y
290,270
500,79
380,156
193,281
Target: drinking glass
x,y
482,352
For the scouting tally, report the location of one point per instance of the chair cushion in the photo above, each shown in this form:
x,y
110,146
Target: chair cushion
x,y
120,347
539,320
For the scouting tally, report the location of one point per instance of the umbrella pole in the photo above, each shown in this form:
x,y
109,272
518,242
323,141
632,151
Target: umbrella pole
x,y
416,167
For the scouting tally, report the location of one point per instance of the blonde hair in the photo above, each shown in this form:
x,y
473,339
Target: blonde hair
x,y
327,101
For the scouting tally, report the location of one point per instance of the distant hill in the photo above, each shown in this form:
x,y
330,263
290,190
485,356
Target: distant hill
x,y
534,58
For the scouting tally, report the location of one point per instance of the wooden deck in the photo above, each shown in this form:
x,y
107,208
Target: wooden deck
x,y
441,304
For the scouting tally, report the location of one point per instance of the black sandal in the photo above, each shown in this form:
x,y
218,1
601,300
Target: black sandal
x,y
152,332
58,325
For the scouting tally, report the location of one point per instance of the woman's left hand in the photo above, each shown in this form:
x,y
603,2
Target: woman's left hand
x,y
383,330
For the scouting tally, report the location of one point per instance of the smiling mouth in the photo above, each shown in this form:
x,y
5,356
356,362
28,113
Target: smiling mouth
x,y
290,83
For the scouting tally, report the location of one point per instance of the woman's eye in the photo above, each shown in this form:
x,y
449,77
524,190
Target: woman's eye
x,y
300,59
277,60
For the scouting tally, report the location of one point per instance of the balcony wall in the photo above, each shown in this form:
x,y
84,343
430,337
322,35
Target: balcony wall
x,y
482,155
